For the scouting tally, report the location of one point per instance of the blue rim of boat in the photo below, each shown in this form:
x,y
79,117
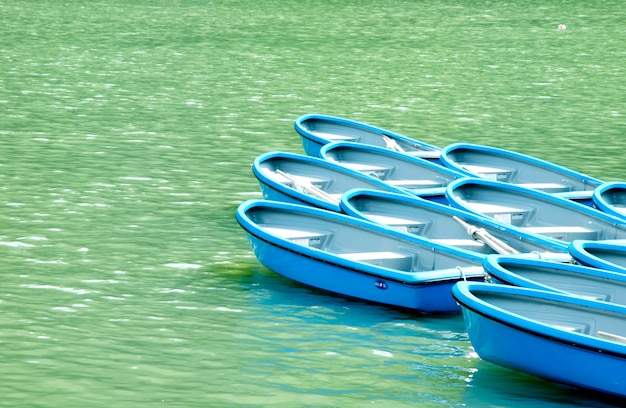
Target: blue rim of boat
x,y
601,203
579,249
250,227
301,129
383,151
347,208
494,265
283,189
462,293
519,190
447,160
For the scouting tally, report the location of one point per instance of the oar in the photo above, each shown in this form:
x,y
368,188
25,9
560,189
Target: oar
x,y
479,234
306,187
392,144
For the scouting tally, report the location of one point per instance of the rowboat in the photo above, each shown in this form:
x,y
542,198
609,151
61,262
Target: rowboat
x,y
577,280
299,179
610,198
512,167
561,338
355,258
316,130
448,225
533,211
609,255
416,175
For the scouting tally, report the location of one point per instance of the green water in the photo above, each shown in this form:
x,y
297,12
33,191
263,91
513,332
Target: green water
x,y
126,136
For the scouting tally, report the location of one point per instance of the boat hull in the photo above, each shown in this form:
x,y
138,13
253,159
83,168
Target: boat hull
x,y
611,198
415,175
513,341
516,168
439,222
609,255
317,130
273,169
354,258
568,278
533,211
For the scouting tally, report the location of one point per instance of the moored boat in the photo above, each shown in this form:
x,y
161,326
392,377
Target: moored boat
x,y
573,279
355,258
317,130
300,179
516,168
448,225
609,255
610,198
533,211
417,176
561,338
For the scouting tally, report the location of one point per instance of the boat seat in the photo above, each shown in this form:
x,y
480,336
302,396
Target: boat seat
x,y
334,136
424,154
309,238
500,213
469,244
489,172
369,169
610,336
547,187
316,182
415,184
386,259
564,232
401,224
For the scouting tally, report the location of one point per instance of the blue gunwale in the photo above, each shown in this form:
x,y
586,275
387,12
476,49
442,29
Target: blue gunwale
x,y
462,293
305,134
305,198
493,265
349,209
420,278
447,161
601,203
539,195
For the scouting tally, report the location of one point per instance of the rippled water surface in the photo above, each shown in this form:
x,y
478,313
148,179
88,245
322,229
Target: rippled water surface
x,y
127,133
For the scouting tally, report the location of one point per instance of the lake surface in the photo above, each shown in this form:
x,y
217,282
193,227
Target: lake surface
x,y
127,134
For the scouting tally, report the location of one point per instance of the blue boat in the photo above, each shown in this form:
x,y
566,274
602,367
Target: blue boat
x,y
512,167
610,198
561,338
609,255
533,211
317,130
573,279
448,225
416,175
355,258
299,179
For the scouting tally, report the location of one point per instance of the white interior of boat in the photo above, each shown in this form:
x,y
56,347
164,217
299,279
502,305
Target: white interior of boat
x,y
564,232
592,321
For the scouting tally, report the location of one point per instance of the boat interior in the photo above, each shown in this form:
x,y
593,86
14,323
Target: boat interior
x,y
596,322
537,216
354,242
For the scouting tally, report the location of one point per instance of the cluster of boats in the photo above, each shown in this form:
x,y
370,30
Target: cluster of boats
x,y
532,254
